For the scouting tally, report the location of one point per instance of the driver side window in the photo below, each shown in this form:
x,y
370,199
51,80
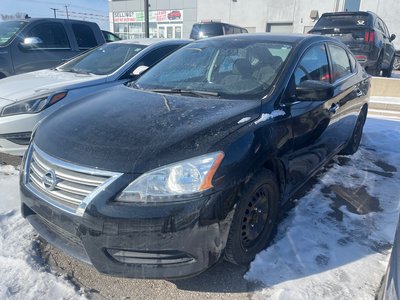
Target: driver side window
x,y
313,66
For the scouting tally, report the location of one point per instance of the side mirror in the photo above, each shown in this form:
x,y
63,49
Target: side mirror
x,y
31,42
392,37
314,90
139,70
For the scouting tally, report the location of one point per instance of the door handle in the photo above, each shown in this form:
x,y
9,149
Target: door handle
x,y
359,93
334,108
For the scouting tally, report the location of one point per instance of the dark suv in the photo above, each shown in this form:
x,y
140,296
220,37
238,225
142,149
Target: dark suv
x,y
209,29
365,34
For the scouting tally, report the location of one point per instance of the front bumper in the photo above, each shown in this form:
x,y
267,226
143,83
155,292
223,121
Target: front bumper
x,y
11,126
175,240
11,148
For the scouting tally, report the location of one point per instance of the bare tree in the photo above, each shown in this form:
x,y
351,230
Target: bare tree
x,y
18,15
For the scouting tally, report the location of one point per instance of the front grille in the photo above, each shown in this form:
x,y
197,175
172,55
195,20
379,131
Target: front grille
x,y
64,185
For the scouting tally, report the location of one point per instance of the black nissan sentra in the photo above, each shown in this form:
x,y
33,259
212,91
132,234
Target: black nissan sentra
x,y
192,163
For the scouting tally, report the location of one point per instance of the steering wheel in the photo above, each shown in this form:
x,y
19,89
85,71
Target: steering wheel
x,y
305,72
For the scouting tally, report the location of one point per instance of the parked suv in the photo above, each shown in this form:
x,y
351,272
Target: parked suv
x,y
365,34
33,44
210,29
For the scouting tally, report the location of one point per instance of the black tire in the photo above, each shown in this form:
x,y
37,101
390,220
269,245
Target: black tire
x,y
396,63
254,222
376,71
354,142
388,72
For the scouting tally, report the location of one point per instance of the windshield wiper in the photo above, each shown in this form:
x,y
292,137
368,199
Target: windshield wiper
x,y
203,94
77,71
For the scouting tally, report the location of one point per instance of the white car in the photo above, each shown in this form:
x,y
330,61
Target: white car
x,y
28,98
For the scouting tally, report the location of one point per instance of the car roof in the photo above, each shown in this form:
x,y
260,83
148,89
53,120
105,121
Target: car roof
x,y
51,19
294,38
151,41
349,13
217,22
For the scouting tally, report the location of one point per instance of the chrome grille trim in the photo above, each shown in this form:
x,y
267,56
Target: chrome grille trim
x,y
75,186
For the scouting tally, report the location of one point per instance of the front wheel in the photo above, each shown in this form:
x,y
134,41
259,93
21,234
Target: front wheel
x,y
396,63
254,222
354,142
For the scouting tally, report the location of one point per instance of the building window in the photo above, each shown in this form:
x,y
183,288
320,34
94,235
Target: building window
x,y
352,5
162,24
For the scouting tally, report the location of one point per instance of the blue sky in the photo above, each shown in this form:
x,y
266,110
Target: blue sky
x,y
91,10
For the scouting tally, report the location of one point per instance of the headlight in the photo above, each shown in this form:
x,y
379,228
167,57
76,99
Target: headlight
x,y
31,106
182,178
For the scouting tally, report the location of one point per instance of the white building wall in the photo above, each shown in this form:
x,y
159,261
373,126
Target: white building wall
x,y
255,14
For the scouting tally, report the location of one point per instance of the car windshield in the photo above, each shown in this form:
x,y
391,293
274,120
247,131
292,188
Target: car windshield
x,y
233,69
102,60
342,21
9,29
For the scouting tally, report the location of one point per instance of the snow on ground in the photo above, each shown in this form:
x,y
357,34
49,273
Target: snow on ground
x,y
335,243
23,275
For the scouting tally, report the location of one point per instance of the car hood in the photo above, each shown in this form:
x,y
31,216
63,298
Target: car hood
x,y
23,86
131,131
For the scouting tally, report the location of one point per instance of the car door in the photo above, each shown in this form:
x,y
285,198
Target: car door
x,y
316,129
389,47
386,43
47,47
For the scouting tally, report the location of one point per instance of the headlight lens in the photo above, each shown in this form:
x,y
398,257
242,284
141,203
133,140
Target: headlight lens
x,y
183,178
31,106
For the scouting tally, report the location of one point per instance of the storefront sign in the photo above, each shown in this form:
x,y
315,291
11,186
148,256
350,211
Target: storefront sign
x,y
154,16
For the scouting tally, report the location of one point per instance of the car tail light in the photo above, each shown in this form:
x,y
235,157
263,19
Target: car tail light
x,y
361,58
369,36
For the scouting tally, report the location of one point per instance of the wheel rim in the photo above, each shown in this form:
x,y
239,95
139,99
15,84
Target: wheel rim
x,y
255,218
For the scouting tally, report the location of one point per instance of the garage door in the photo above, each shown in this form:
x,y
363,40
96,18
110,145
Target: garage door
x,y
280,27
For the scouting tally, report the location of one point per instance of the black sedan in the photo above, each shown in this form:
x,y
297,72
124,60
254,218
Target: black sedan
x,y
192,163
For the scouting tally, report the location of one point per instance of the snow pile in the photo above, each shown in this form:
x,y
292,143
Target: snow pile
x,y
23,274
273,114
335,243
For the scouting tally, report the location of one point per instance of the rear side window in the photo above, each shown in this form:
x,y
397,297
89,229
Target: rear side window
x,y
237,30
84,36
379,25
313,66
153,57
52,35
340,62
353,63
